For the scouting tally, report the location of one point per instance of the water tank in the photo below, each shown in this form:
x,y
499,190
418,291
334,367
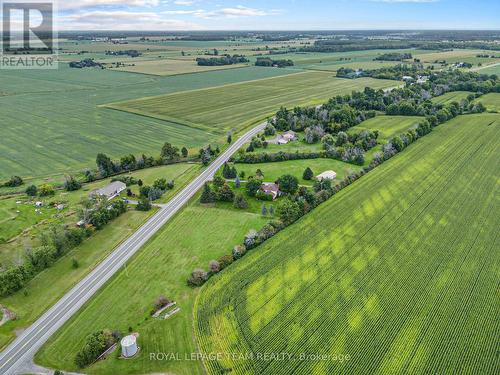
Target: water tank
x,y
129,346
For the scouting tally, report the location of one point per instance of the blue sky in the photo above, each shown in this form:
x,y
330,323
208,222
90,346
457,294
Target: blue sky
x,y
278,14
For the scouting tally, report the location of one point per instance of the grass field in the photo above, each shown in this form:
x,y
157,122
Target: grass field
x,y
458,55
28,224
194,237
50,285
65,128
454,96
399,271
491,101
490,70
272,171
169,67
388,126
238,106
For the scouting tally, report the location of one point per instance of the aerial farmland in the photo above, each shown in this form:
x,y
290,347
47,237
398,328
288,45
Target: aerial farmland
x,y
250,202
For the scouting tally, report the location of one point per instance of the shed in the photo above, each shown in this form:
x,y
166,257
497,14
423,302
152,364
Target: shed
x,y
327,175
129,346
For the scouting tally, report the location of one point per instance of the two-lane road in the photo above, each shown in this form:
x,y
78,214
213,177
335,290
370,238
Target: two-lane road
x,y
22,350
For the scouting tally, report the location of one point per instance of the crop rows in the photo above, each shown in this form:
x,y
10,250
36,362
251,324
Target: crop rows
x,y
237,106
399,271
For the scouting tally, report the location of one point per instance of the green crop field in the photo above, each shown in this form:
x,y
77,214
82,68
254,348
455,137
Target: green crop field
x,y
454,96
388,126
237,106
490,101
168,67
398,271
161,267
51,120
490,69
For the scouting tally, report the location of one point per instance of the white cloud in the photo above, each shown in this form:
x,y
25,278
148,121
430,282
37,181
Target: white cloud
x,y
122,20
238,11
74,4
185,2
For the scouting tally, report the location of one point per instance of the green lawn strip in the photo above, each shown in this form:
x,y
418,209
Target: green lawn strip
x,y
50,285
272,171
194,237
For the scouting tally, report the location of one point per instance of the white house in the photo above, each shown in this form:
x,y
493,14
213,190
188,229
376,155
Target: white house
x,y
327,175
112,190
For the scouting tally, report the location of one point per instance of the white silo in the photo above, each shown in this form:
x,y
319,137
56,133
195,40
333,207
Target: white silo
x,y
129,346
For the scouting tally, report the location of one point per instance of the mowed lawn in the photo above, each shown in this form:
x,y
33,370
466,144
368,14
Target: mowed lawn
x,y
388,126
52,123
194,237
50,285
272,171
236,106
399,271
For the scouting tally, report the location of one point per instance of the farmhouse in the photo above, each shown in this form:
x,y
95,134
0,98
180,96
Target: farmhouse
x,y
286,137
271,189
110,191
327,175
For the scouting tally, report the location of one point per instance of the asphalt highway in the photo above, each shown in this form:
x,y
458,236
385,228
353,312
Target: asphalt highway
x,y
23,349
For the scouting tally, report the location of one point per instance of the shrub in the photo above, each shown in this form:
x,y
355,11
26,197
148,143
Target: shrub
x,y
253,186
161,302
225,261
46,190
144,204
207,196
239,251
71,184
214,266
225,194
288,184
263,196
95,344
31,190
240,202
198,277
308,174
14,181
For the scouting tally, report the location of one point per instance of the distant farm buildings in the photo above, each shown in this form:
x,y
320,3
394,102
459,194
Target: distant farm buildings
x,y
112,190
327,175
270,188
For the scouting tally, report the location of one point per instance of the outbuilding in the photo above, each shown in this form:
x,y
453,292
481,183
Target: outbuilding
x,y
327,175
112,190
129,346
